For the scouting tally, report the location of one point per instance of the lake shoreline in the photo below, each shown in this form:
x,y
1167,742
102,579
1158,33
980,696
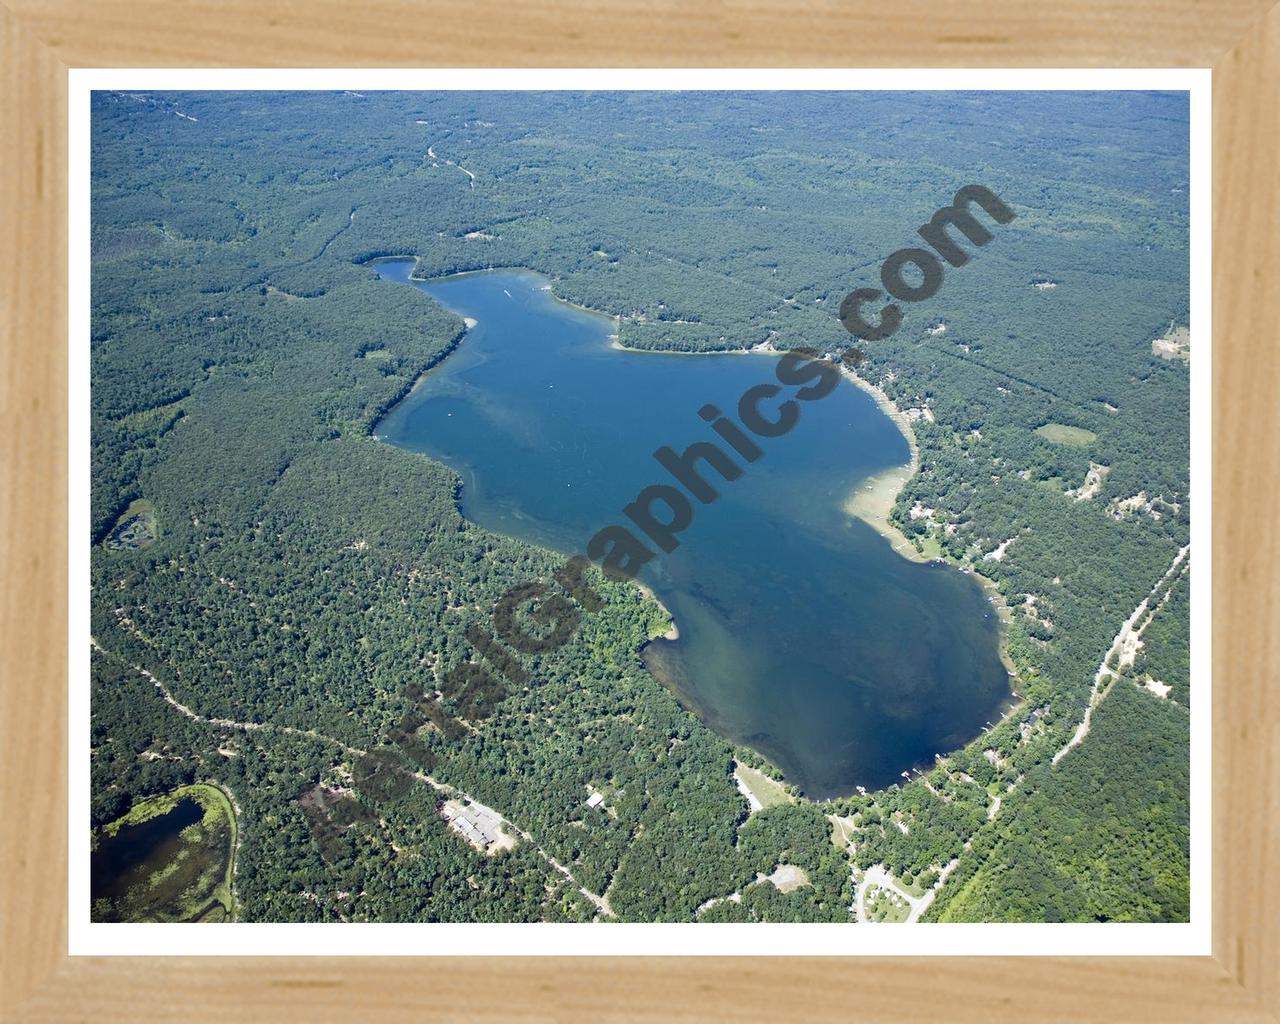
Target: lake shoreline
x,y
873,499
765,348
646,592
673,630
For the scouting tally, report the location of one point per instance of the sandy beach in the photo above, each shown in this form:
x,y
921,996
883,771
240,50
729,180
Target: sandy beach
x,y
872,499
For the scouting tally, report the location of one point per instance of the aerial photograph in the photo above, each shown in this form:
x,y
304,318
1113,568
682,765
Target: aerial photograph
x,y
640,506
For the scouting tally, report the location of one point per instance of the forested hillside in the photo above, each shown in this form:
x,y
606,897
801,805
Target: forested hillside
x,y
298,588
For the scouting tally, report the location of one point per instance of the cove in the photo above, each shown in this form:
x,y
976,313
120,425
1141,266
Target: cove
x,y
802,634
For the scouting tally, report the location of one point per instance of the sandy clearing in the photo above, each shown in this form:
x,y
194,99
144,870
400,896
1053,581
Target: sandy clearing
x,y
1093,482
1174,344
1158,688
788,878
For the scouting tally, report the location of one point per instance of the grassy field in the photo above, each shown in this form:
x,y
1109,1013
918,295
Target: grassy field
x,y
171,858
769,792
930,546
1072,437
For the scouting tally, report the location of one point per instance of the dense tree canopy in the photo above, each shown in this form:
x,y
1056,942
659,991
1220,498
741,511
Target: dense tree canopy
x,y
304,587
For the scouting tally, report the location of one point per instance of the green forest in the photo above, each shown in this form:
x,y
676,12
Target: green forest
x,y
276,595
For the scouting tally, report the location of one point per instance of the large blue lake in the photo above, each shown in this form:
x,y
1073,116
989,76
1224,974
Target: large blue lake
x,y
802,633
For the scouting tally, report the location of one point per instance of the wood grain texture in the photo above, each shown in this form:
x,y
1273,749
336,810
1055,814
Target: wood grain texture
x,y
39,39
1246,585
657,33
33,512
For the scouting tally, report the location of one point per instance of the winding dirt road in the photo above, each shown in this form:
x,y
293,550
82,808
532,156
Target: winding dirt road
x,y
1125,648
599,902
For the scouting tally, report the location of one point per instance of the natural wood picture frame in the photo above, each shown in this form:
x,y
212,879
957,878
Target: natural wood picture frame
x,y
42,39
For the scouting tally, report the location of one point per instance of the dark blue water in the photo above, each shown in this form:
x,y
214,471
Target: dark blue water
x,y
127,858
802,634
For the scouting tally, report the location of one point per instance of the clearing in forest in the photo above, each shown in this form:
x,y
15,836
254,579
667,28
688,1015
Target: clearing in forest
x,y
1072,437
